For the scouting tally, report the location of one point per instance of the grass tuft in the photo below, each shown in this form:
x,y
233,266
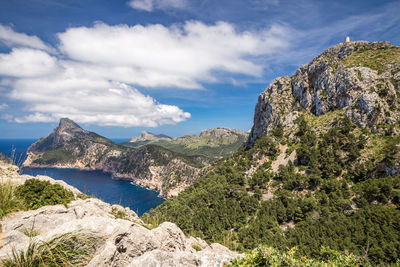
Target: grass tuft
x,y
9,200
72,249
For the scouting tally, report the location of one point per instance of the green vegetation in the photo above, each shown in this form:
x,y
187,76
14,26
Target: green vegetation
x,y
72,249
9,200
33,194
54,156
210,147
118,214
30,232
84,196
196,247
336,194
267,256
376,59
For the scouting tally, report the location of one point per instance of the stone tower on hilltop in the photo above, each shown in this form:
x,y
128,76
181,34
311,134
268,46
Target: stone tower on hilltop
x,y
347,39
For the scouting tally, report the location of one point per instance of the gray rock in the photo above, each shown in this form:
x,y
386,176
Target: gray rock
x,y
126,241
367,97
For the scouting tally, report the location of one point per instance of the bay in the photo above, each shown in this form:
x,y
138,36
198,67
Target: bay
x,y
94,183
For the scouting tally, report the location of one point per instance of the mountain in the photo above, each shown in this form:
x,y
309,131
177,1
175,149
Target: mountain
x,y
358,79
212,144
70,146
147,136
321,166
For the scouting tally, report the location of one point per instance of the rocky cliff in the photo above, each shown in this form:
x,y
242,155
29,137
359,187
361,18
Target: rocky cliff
x,y
321,168
98,234
362,79
70,146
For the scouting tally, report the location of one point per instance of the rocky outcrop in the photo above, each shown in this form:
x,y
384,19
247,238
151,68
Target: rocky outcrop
x,y
122,241
147,136
222,132
70,146
361,78
5,159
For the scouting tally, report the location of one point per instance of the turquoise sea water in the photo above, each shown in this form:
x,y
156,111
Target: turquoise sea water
x,y
94,183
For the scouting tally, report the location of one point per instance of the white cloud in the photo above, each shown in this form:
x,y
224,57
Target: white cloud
x,y
26,62
94,102
91,79
3,106
151,5
12,39
179,55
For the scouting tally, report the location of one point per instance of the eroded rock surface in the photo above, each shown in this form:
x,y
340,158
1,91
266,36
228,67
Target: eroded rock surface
x,y
126,242
361,78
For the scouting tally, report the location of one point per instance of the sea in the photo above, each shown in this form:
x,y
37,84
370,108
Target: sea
x,y
94,183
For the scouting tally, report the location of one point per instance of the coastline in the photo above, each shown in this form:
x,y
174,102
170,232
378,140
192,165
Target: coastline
x,y
127,179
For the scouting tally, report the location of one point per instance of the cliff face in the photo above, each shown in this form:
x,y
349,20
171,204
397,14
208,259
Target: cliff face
x,y
360,78
323,158
70,146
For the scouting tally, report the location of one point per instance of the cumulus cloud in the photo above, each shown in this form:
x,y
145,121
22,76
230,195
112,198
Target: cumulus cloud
x,y
151,5
91,79
179,55
27,62
11,38
94,102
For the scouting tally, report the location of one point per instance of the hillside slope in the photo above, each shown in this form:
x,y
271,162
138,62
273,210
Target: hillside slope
x,y
212,144
70,146
321,166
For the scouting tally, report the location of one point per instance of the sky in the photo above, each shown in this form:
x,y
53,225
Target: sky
x,y
118,67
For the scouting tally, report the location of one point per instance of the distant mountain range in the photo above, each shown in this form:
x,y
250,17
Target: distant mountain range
x,y
212,143
154,161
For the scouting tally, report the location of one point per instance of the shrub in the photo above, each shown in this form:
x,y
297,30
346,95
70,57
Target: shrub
x,y
35,194
267,256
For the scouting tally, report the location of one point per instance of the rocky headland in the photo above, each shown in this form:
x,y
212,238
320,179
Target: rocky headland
x,y
321,168
360,79
157,162
70,146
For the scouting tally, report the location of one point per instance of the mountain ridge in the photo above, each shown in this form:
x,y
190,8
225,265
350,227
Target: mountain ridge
x,y
70,146
213,144
321,166
336,79
152,164
148,136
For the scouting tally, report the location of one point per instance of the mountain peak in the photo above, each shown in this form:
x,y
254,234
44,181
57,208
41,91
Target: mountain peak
x,y
221,131
360,79
148,136
68,126
68,123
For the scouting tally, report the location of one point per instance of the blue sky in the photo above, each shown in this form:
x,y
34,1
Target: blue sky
x,y
118,67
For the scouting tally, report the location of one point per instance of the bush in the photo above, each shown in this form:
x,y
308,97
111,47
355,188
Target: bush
x,y
35,194
267,256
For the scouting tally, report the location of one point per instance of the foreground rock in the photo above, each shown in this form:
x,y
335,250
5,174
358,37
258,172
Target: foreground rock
x,y
125,241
